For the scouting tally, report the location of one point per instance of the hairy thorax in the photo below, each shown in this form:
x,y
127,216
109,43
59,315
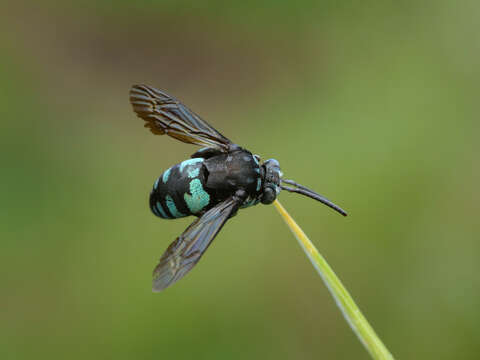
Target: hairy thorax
x,y
237,170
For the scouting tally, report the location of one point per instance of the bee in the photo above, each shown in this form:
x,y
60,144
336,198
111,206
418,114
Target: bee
x,y
217,181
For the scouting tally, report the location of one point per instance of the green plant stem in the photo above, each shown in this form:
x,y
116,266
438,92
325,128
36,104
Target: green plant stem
x,y
350,310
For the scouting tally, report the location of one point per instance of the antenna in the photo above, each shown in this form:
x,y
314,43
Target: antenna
x,y
300,189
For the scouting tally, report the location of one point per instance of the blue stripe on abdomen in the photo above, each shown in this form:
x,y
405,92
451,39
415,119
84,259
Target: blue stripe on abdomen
x,y
162,212
190,162
172,207
179,191
166,174
158,210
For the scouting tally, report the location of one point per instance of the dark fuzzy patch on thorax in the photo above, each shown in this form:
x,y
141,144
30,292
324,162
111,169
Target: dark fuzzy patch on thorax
x,y
236,170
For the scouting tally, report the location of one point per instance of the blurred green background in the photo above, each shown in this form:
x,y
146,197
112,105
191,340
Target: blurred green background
x,y
374,104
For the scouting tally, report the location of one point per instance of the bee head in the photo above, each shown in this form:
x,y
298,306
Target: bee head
x,y
271,182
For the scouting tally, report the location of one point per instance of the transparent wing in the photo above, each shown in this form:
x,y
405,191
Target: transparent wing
x,y
184,253
164,114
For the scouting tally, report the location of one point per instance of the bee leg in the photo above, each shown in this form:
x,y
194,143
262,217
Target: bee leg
x,y
240,196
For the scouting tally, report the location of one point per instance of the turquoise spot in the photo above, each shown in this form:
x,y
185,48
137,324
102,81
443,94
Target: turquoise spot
x,y
166,174
259,183
257,170
193,173
189,162
199,198
156,184
255,159
172,208
161,211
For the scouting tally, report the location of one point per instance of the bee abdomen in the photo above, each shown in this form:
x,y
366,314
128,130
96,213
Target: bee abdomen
x,y
180,191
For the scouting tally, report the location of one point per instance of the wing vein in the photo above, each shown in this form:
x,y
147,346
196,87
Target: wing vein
x,y
164,114
185,252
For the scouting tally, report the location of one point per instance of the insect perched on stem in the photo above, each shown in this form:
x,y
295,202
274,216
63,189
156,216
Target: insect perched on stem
x,y
213,184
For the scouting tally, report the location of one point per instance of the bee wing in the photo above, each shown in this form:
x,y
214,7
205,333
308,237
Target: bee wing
x,y
164,114
184,253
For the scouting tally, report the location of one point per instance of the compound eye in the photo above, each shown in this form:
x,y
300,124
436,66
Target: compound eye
x,y
269,195
273,163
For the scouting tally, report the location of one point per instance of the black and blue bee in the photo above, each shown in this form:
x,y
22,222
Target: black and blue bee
x,y
219,179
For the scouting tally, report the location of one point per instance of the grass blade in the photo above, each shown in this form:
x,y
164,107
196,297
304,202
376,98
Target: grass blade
x,y
350,310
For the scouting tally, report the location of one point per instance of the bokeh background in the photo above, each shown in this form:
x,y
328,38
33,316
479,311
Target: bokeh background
x,y
372,103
